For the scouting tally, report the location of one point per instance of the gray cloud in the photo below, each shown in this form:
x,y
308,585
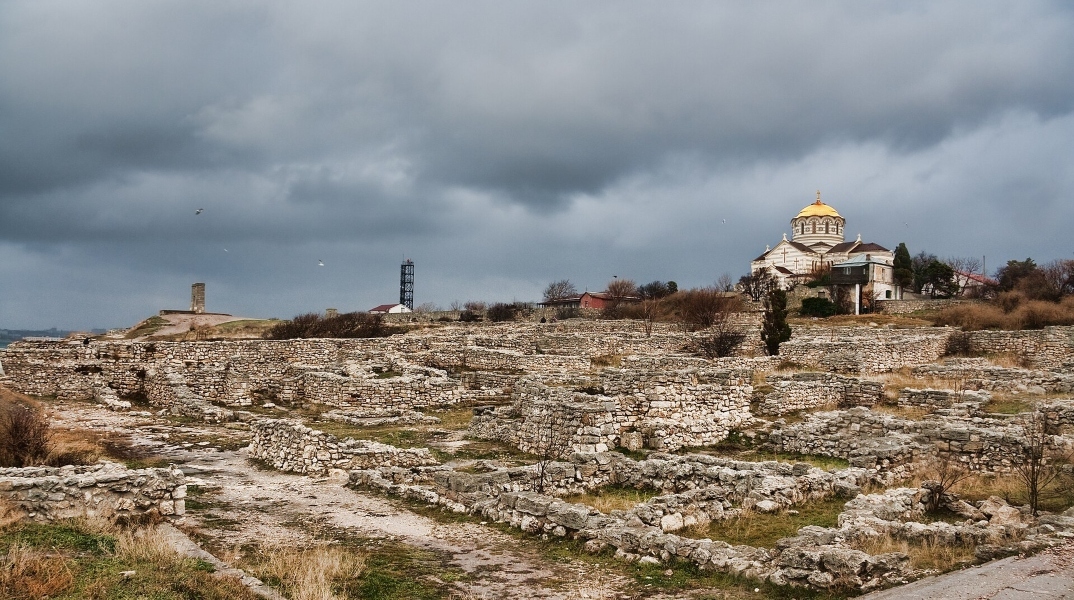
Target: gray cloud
x,y
504,145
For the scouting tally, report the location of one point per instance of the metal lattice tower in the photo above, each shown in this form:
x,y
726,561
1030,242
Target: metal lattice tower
x,y
406,284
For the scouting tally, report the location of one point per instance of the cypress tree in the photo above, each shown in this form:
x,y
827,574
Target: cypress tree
x,y
774,328
903,267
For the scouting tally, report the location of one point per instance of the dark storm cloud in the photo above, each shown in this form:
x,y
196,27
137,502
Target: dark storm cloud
x,y
496,143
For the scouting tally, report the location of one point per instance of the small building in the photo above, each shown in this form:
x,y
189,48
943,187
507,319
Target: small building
x,y
389,309
597,300
871,277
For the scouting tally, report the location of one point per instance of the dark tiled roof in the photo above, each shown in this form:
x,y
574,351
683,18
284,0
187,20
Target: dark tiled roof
x,y
870,247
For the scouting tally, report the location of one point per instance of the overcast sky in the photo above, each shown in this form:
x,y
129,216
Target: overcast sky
x,y
504,145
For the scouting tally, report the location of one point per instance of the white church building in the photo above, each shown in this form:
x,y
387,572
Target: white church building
x,y
818,245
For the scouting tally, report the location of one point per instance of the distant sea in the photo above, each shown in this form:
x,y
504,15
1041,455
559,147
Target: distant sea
x,y
13,335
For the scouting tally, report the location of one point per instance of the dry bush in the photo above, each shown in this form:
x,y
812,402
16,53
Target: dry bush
x,y
934,555
309,573
24,435
1011,311
31,574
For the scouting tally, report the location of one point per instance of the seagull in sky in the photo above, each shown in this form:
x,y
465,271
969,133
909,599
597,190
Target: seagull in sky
x,y
320,263
724,220
198,212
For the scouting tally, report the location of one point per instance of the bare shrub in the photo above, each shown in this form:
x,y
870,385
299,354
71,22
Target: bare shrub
x,y
723,342
346,325
943,473
958,344
1037,460
24,435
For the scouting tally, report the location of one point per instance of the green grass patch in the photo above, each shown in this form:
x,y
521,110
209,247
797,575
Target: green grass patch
x,y
764,529
69,560
1009,406
147,327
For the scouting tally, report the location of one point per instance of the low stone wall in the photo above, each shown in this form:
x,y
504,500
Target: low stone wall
x,y
105,489
930,398
901,307
290,446
1049,348
865,350
807,390
661,410
979,374
645,533
895,445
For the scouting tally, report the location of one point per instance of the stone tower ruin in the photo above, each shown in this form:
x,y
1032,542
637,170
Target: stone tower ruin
x,y
197,298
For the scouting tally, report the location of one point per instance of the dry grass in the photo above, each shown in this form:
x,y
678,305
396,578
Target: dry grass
x,y
96,560
605,360
1022,314
613,498
311,573
765,529
27,573
932,555
910,413
1008,360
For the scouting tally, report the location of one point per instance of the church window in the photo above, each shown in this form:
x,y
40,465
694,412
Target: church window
x,y
813,227
826,225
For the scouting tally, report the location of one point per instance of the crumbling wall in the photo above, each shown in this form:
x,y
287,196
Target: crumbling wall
x,y
105,489
661,410
290,446
807,390
864,350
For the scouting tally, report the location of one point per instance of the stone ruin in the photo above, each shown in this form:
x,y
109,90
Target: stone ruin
x,y
572,393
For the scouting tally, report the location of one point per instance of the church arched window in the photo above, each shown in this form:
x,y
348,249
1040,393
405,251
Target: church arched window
x,y
826,226
813,227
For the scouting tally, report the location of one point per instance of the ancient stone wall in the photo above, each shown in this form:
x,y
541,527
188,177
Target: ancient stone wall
x,y
893,444
105,489
807,390
1049,348
290,446
901,307
979,374
930,398
661,409
864,350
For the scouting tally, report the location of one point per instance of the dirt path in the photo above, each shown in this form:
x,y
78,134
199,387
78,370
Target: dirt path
x,y
258,506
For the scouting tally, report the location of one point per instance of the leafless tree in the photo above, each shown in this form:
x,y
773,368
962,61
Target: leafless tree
x,y
557,290
622,288
1059,275
724,283
1037,460
944,473
650,310
426,307
705,307
963,266
553,440
756,285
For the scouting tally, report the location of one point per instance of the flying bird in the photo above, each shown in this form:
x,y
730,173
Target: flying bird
x,y
320,263
724,220
198,212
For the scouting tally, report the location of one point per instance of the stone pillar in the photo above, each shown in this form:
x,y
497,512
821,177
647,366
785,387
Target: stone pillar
x,y
197,298
330,313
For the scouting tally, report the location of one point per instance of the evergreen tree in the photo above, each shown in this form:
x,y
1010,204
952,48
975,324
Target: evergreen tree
x,y
904,267
774,328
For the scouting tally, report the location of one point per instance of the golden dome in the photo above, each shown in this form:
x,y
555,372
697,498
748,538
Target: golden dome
x,y
818,209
